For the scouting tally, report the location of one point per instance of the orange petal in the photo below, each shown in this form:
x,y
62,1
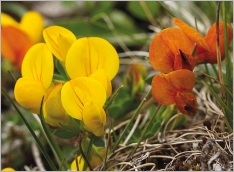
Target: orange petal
x,y
165,46
186,102
15,44
203,56
166,86
162,90
191,33
184,61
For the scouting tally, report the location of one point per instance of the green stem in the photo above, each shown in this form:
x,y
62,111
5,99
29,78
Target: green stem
x,y
144,132
88,152
57,151
130,122
48,159
228,76
86,159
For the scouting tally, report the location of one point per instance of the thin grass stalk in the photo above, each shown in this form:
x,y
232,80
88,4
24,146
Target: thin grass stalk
x,y
144,132
229,77
47,157
130,122
227,121
85,158
88,153
218,52
57,151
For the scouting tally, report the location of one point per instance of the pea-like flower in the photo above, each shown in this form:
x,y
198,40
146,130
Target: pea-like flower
x,y
59,40
206,50
83,99
54,113
89,56
24,32
37,72
176,87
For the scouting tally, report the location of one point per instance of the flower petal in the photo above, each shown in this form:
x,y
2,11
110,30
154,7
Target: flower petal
x,y
75,92
203,56
53,111
186,102
28,93
38,64
165,46
87,55
11,48
191,33
162,90
161,57
94,117
7,20
182,79
59,40
100,76
32,23
166,86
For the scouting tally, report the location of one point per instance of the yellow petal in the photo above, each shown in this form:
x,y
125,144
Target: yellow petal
x,y
7,20
100,76
75,92
32,23
28,93
52,109
59,40
80,161
87,55
38,64
94,117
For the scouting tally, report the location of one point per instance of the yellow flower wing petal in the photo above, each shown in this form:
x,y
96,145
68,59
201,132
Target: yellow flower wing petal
x,y
80,161
32,23
38,64
100,76
94,117
53,111
87,55
192,34
28,93
75,92
7,20
59,40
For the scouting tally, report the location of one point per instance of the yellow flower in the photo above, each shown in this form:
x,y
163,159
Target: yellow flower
x,y
54,114
88,56
17,38
97,156
8,169
37,73
83,99
59,40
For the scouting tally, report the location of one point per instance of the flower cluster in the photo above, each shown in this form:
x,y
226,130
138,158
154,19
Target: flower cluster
x,y
175,52
17,38
89,64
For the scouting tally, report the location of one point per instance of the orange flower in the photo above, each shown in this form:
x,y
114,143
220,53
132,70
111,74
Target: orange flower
x,y
171,49
17,38
203,56
176,87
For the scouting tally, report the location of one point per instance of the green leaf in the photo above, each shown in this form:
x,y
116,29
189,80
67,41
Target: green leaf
x,y
136,9
64,134
61,70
